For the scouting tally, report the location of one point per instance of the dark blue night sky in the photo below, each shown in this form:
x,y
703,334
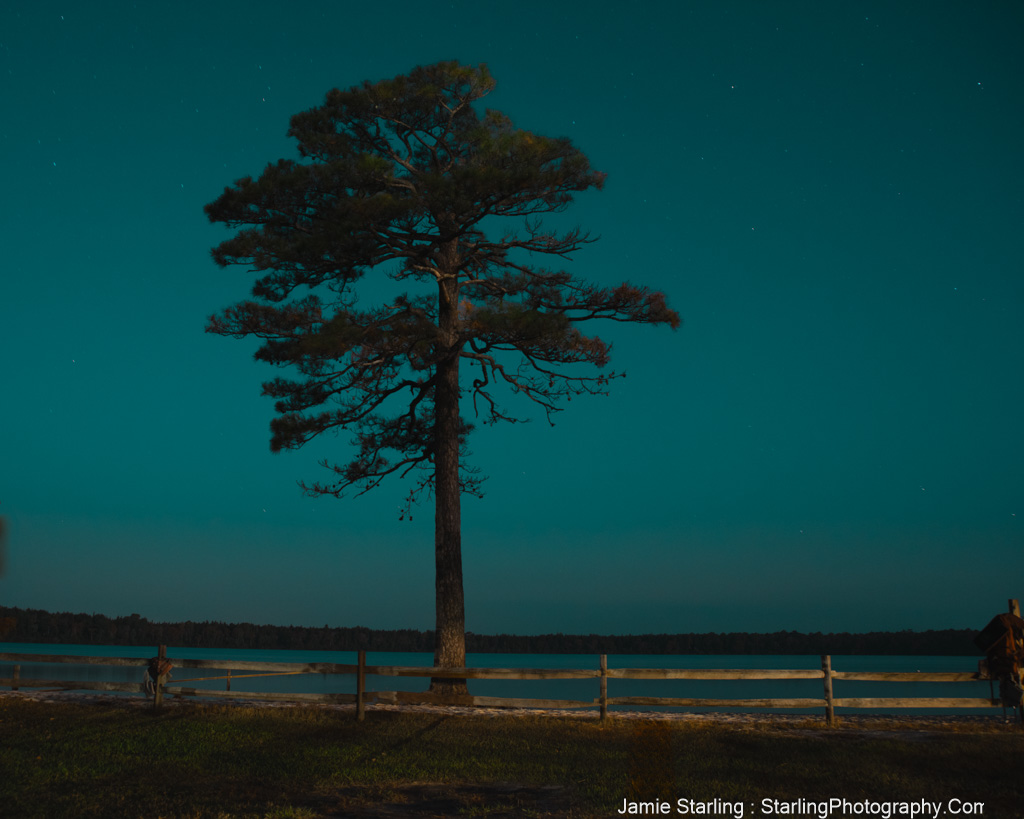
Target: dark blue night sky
x,y
829,194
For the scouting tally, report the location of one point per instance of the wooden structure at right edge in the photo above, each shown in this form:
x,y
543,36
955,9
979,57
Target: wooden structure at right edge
x,y
1002,640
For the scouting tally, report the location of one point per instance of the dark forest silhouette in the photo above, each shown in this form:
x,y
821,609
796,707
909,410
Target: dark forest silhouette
x,y
38,626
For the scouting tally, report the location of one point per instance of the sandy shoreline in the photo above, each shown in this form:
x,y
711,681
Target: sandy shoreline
x,y
735,718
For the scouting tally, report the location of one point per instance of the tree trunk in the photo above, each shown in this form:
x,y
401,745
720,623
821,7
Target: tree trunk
x,y
450,629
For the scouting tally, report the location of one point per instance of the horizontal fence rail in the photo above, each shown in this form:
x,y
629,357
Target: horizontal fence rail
x,y
360,670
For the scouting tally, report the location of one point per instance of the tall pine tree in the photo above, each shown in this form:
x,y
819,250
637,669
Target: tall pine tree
x,y
403,178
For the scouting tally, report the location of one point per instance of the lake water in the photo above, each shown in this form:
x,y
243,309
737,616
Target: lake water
x,y
587,689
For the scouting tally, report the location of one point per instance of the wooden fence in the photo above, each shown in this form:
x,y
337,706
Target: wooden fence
x,y
828,701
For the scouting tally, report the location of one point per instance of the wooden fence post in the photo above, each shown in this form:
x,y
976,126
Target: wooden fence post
x,y
830,711
361,687
158,691
228,684
16,677
1015,607
604,687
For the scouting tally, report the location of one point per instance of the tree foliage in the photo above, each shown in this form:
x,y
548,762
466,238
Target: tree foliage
x,y
404,174
38,626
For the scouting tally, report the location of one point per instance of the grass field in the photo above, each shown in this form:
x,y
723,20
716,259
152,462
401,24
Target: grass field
x,y
207,762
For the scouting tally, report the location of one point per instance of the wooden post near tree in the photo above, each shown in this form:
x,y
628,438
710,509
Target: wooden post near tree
x,y
1015,607
361,687
15,677
830,711
604,687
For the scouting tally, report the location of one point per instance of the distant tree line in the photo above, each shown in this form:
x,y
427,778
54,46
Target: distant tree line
x,y
37,626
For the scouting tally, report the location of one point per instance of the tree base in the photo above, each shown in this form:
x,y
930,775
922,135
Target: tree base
x,y
447,686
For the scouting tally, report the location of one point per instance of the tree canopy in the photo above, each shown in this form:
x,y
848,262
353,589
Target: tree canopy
x,y
406,178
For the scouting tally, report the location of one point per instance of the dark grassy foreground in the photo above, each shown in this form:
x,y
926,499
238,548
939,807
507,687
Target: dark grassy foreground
x,y
87,760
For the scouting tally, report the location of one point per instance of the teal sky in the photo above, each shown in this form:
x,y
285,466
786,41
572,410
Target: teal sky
x,y
829,193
